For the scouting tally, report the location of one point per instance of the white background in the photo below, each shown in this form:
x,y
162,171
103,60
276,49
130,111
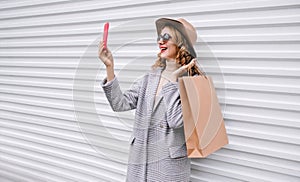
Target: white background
x,y
54,121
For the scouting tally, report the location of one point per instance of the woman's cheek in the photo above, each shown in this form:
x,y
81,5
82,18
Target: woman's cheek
x,y
172,52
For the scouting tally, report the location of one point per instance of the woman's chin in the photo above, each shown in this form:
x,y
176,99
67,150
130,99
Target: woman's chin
x,y
168,59
164,56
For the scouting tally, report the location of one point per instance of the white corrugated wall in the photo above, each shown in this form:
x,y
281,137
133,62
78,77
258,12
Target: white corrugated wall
x,y
56,125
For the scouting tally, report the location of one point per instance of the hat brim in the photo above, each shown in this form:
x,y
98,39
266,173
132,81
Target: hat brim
x,y
162,22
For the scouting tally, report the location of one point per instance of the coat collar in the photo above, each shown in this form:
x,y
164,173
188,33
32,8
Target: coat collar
x,y
154,78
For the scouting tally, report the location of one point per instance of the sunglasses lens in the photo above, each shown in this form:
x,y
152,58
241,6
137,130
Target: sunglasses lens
x,y
164,37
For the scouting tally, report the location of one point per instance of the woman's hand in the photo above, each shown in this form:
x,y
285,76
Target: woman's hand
x,y
183,69
105,55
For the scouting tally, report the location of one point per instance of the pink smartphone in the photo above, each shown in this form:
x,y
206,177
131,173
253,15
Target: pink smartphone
x,y
105,34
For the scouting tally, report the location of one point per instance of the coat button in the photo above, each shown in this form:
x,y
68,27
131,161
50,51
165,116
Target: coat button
x,y
161,125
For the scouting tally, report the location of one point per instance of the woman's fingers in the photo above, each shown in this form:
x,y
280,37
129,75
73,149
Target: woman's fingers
x,y
102,51
101,47
192,63
105,55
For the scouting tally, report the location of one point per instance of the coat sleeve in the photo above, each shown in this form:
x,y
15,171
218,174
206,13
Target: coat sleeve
x,y
118,100
172,100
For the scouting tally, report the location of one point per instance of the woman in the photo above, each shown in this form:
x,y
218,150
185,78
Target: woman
x,y
158,150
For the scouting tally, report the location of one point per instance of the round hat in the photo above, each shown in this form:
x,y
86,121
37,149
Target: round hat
x,y
187,30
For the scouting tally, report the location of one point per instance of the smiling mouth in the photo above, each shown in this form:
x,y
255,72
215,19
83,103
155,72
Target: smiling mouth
x,y
163,49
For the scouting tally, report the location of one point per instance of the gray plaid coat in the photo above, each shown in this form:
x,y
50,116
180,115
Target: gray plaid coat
x,y
158,150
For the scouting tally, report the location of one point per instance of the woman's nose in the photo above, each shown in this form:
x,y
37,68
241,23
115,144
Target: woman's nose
x,y
160,41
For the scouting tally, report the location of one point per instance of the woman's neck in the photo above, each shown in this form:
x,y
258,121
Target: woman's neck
x,y
171,65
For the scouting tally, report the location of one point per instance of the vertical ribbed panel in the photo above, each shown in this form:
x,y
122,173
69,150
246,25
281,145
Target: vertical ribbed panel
x,y
55,120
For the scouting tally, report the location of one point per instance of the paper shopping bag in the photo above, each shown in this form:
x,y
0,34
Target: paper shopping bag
x,y
203,121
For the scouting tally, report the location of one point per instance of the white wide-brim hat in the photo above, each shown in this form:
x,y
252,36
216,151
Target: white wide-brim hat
x,y
187,30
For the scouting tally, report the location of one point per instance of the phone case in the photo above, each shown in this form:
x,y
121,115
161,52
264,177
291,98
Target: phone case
x,y
105,34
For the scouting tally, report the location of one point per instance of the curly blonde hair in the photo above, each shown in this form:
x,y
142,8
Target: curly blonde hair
x,y
183,56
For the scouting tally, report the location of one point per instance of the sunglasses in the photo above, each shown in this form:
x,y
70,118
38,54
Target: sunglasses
x,y
164,37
